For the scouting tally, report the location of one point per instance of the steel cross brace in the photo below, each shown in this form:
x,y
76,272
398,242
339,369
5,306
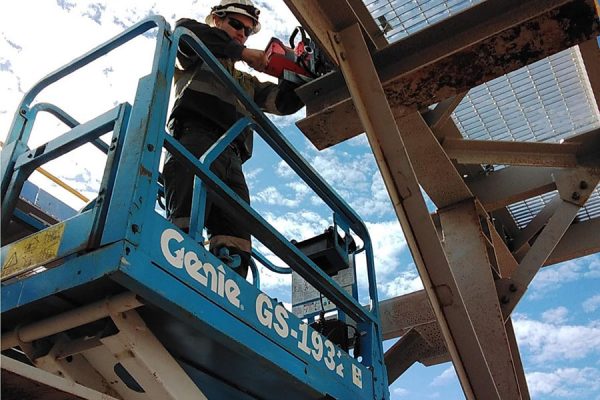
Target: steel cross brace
x,y
391,156
574,187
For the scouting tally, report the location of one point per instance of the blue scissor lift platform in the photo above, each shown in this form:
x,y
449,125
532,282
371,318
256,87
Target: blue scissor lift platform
x,y
116,301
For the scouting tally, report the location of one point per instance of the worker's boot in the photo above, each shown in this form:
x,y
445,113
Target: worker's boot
x,y
234,258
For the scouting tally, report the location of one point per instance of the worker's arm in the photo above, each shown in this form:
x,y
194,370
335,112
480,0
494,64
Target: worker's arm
x,y
278,99
220,44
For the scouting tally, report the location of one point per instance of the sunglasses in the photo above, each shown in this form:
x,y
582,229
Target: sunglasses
x,y
238,25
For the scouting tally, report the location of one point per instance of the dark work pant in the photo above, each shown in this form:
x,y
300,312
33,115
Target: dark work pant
x,y
179,181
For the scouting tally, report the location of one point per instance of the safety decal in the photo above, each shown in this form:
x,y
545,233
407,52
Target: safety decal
x,y
32,251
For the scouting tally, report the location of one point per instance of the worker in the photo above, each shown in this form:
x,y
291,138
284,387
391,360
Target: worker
x,y
204,109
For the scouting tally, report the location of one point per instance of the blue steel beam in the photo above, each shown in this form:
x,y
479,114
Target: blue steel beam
x,y
77,136
62,116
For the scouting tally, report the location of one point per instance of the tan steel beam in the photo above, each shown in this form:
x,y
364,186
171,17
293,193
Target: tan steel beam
x,y
376,35
581,239
320,17
514,347
489,40
536,224
505,260
464,151
402,313
574,187
433,168
510,185
441,115
466,248
22,381
391,156
404,353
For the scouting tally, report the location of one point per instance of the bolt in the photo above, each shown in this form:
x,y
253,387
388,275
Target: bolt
x,y
317,92
343,55
135,228
505,300
150,147
583,185
112,147
575,196
114,140
23,111
336,38
512,287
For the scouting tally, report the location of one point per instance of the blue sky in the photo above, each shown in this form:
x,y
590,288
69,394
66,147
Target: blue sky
x,y
557,323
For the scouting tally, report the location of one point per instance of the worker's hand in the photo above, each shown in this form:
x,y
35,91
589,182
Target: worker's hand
x,y
257,59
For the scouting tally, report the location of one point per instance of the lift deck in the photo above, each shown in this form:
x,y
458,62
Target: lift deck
x,y
118,302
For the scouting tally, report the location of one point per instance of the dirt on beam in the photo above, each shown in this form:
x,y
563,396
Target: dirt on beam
x,y
416,77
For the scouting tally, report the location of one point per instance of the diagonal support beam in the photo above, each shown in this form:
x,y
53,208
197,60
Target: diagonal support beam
x,y
390,154
402,313
464,151
404,353
574,188
536,224
514,348
510,185
147,360
581,239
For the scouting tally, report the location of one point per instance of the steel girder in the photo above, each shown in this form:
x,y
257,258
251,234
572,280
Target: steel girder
x,y
486,41
450,318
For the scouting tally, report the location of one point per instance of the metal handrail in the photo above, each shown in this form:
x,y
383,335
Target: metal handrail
x,y
92,55
268,132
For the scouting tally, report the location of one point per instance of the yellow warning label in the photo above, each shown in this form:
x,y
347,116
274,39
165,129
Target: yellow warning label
x,y
33,250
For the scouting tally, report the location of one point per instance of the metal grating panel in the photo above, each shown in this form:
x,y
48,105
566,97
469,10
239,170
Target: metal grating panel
x,y
524,211
401,18
547,101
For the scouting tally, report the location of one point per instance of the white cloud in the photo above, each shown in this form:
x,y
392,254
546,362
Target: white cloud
x,y
591,304
388,243
553,277
553,342
564,382
395,273
299,187
271,195
405,282
283,170
447,376
298,225
555,315
400,392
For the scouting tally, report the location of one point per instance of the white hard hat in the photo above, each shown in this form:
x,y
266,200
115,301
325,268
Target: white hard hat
x,y
244,7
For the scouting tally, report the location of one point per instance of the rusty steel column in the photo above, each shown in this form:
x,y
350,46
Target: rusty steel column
x,y
467,251
390,154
